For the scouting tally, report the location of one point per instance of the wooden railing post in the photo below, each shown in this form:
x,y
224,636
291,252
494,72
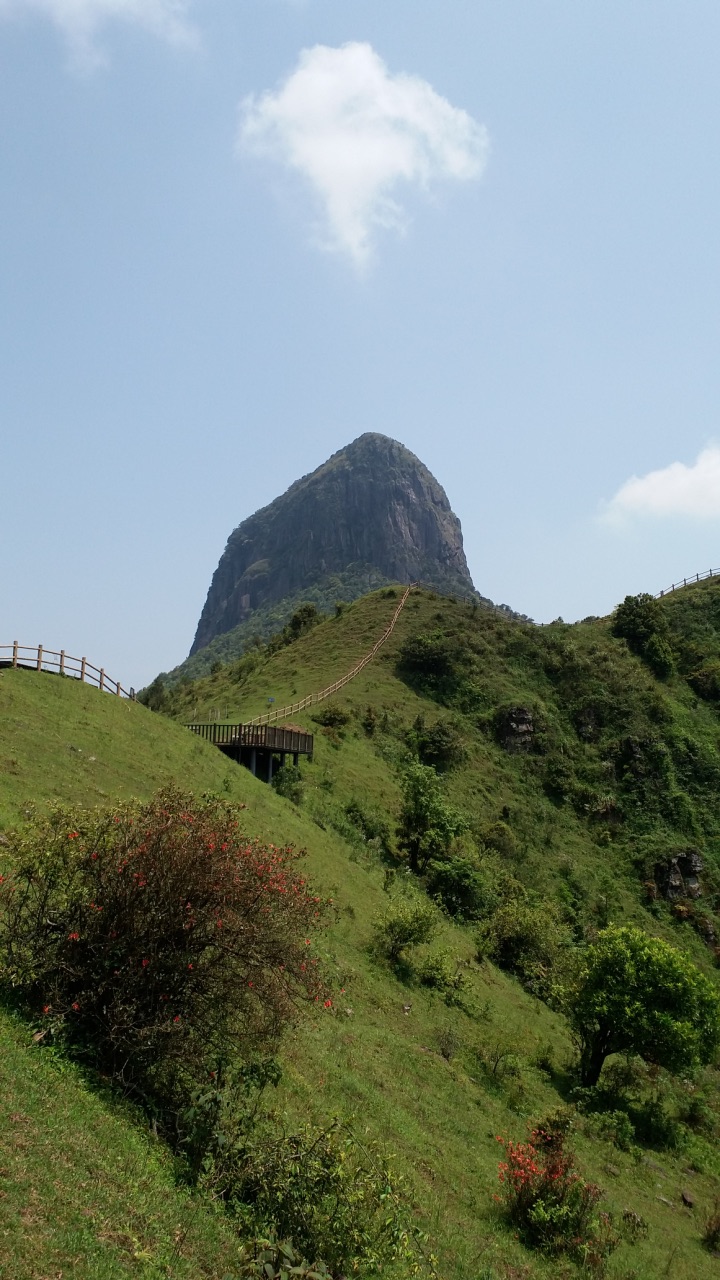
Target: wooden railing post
x,y
39,657
62,662
83,665
15,653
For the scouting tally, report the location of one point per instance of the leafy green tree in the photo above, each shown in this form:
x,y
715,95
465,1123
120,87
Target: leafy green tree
x,y
527,939
439,745
641,620
155,696
405,924
471,888
428,824
637,994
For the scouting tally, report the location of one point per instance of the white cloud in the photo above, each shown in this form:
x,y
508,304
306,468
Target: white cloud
x,y
79,20
677,490
357,133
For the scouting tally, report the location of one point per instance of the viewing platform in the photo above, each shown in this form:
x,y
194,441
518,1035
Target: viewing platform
x,y
257,746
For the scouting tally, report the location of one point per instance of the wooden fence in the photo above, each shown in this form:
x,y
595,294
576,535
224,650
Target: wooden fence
x,y
271,716
266,737
686,582
38,658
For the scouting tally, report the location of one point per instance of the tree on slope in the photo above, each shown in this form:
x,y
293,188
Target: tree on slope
x,y
637,994
428,824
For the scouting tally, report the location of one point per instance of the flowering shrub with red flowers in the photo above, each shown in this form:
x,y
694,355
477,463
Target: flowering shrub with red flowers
x,y
549,1202
155,937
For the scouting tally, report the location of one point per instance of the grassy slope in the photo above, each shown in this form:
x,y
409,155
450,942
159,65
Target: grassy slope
x,y
439,1111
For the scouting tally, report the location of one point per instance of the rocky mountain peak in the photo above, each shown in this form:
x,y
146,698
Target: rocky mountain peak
x,y
372,513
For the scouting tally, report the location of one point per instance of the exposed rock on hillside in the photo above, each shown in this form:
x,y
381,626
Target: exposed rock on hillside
x,y
372,513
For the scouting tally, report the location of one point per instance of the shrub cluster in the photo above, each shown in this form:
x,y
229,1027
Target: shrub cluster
x,y
337,1199
641,620
405,924
528,940
550,1204
156,938
288,782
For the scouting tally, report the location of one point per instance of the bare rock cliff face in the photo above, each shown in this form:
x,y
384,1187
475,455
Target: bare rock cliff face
x,y
372,510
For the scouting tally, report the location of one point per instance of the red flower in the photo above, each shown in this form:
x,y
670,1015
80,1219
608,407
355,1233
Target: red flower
x,y
74,937
328,1004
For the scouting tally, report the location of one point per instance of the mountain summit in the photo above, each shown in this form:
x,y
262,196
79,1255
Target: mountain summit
x,y
371,514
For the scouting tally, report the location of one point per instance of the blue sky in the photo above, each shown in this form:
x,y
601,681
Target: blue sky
x,y
235,234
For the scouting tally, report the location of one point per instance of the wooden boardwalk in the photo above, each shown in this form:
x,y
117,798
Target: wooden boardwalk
x,y
257,746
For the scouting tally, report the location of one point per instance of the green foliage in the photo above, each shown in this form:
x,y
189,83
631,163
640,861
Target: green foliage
x,y
371,823
331,716
637,994
277,1260
439,745
641,620
428,824
440,969
406,923
155,939
337,1199
432,662
288,782
499,838
612,1126
528,940
304,619
705,682
155,697
471,888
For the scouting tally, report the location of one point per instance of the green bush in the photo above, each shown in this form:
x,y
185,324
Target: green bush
x,y
332,716
432,662
155,939
471,888
642,621
705,682
288,782
612,1126
371,823
529,941
439,745
405,924
277,1260
304,619
440,969
337,1199
499,838
156,696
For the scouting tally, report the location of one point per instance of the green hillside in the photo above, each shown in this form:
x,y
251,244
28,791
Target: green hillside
x,y
584,772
